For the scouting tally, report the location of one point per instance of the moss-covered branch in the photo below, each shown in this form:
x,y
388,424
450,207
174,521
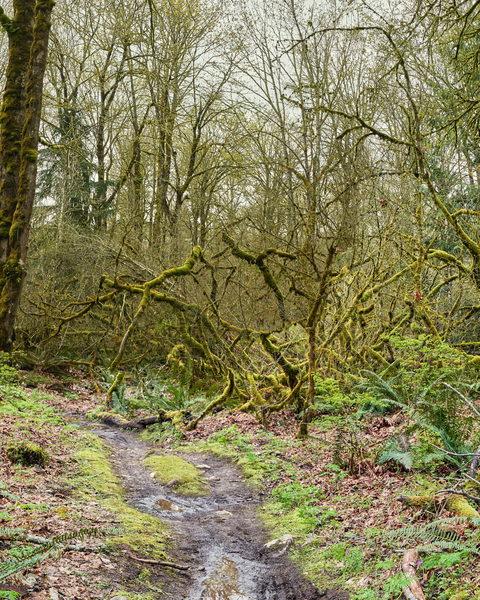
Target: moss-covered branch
x,y
259,261
224,396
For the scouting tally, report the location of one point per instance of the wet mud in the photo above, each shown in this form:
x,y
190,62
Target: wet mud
x,y
219,536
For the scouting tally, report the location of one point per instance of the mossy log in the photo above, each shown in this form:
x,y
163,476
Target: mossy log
x,y
119,421
454,503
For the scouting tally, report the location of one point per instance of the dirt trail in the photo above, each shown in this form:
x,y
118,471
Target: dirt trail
x,y
219,535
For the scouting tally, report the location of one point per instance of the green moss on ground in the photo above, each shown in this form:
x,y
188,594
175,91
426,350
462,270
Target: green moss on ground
x,y
253,470
142,532
313,560
188,477
27,453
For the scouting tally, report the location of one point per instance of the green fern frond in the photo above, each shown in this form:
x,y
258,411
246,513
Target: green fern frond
x,y
6,494
52,547
404,458
434,536
379,386
9,533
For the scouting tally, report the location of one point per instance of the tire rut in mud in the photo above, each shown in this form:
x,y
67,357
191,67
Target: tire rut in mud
x,y
218,536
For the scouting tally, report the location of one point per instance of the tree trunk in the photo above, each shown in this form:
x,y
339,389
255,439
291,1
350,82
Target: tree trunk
x,y
17,201
12,117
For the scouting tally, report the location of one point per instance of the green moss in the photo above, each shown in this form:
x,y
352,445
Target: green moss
x,y
313,561
254,470
167,468
30,155
132,596
143,533
27,453
465,595
460,506
105,414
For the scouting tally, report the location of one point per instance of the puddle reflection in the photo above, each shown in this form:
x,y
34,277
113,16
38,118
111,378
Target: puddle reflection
x,y
163,504
223,583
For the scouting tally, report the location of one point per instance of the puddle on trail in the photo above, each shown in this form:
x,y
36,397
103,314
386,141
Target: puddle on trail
x,y
163,504
229,577
223,583
217,534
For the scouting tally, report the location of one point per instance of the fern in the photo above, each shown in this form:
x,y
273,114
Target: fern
x,y
54,547
118,400
434,536
384,391
404,458
6,494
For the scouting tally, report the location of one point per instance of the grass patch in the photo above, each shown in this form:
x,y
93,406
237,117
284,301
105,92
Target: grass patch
x,y
168,468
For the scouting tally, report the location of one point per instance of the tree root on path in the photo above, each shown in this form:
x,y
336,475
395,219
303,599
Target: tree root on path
x,y
159,562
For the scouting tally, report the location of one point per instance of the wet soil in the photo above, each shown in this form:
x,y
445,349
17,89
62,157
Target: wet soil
x,y
218,536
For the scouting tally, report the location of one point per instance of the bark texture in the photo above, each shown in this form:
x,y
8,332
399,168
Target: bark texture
x,y
413,591
28,33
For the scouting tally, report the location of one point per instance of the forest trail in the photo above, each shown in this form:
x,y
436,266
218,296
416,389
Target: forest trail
x,y
218,536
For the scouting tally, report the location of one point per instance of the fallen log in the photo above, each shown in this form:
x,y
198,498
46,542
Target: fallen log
x,y
119,421
455,503
413,590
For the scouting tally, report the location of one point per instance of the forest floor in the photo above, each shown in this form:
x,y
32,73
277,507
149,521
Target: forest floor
x,y
261,485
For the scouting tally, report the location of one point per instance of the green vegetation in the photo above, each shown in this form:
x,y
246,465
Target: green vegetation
x,y
96,479
91,480
188,479
26,453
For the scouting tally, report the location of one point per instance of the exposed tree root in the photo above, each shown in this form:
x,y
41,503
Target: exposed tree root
x,y
160,562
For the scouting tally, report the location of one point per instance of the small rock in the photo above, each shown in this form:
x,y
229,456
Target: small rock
x,y
286,540
152,474
119,598
223,513
203,467
30,580
201,569
53,594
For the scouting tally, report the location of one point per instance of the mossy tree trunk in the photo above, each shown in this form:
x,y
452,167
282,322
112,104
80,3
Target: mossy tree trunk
x,y
28,33
311,328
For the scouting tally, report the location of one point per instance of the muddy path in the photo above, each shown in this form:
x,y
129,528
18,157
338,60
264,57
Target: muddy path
x,y
218,536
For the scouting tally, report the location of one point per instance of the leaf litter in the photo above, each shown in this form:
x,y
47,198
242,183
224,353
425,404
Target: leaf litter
x,y
363,499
